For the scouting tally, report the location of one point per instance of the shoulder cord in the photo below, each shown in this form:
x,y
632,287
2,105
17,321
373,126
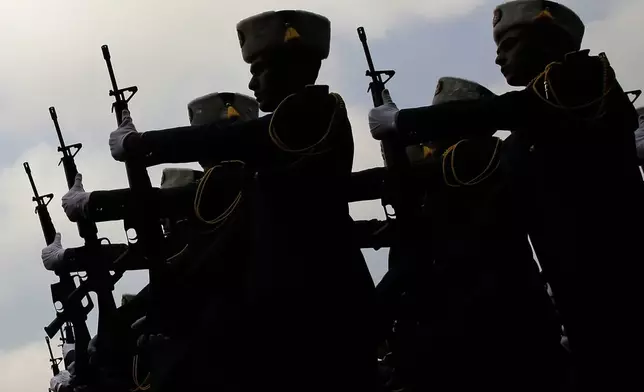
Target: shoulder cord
x,y
549,89
196,205
310,150
484,175
135,378
221,218
176,255
307,151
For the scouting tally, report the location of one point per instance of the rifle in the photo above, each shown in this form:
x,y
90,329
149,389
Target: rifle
x,y
48,229
394,154
98,275
148,234
54,361
71,311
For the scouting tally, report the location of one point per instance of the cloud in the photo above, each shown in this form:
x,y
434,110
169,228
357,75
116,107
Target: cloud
x,y
28,287
26,368
617,36
175,52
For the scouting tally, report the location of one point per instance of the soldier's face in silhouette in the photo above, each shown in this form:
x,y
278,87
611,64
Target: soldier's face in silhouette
x,y
518,57
270,81
280,73
524,52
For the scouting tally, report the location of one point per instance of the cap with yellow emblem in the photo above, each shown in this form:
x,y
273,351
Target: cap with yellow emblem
x,y
526,12
221,106
456,89
176,177
273,29
205,110
448,89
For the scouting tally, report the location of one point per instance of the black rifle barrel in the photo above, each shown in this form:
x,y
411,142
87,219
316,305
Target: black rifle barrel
x,y
54,118
48,229
377,85
54,361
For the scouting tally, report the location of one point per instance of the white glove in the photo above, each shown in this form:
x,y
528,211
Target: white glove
x,y
138,323
118,137
59,381
53,254
76,200
382,120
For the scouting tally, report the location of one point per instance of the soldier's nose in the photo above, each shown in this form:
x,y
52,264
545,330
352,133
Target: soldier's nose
x,y
253,84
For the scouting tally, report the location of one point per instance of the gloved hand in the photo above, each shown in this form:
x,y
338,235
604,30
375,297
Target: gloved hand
x,y
60,382
382,120
139,323
151,340
117,138
53,254
76,200
147,338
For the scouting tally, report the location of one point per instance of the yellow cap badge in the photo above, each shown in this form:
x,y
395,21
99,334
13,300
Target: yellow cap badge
x,y
290,34
545,14
427,151
232,112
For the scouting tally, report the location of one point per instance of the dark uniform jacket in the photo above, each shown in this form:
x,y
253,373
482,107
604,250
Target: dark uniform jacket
x,y
307,290
575,189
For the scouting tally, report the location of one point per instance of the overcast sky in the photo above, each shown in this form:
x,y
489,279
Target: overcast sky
x,y
176,51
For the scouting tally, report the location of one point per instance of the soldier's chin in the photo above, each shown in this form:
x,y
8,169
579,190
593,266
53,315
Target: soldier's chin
x,y
267,106
516,80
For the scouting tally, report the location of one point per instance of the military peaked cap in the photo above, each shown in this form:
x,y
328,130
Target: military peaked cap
x,y
220,106
526,12
272,29
174,177
455,89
